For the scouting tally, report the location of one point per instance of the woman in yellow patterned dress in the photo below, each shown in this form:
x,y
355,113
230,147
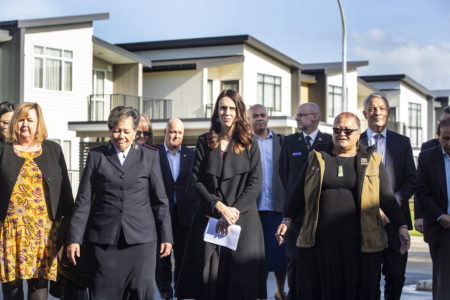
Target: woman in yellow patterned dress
x,y
35,195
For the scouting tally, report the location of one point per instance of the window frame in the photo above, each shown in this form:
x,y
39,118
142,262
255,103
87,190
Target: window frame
x,y
331,107
63,61
415,139
275,105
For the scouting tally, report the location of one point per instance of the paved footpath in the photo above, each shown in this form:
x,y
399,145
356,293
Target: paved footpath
x,y
419,268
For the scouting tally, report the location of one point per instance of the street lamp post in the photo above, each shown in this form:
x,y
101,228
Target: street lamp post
x,y
344,58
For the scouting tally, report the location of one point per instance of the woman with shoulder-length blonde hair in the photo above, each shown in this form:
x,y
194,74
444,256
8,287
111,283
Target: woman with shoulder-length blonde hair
x,y
35,196
227,177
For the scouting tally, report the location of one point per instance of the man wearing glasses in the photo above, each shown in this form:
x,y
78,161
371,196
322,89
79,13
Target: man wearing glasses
x,y
293,156
398,160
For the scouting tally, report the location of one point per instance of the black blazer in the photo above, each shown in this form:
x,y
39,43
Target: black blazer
x,y
54,171
186,200
417,209
293,157
112,198
401,169
432,194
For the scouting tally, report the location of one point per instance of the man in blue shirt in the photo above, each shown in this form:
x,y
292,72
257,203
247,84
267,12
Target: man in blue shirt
x,y
176,163
433,192
271,199
399,163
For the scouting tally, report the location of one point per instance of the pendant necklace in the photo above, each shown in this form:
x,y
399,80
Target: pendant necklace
x,y
341,161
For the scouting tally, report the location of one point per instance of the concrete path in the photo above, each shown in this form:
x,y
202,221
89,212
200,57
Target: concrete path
x,y
419,268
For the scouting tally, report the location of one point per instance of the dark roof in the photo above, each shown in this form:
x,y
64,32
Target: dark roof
x,y
400,77
332,67
213,41
9,23
441,93
55,21
186,43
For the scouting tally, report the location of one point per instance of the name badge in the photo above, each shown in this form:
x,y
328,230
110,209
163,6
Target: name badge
x,y
296,153
364,161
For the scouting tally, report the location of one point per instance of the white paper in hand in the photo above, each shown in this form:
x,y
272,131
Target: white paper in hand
x,y
230,240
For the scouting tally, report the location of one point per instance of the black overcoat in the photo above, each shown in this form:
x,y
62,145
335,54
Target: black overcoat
x,y
236,181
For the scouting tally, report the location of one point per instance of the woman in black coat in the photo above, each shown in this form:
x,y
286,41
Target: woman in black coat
x,y
227,177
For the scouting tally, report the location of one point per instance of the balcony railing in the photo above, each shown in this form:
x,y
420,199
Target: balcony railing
x,y
100,106
74,177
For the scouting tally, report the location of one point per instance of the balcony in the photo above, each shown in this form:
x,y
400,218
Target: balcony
x,y
100,105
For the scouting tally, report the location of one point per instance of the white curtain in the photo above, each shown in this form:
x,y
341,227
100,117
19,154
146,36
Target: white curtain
x,y
38,72
67,76
53,74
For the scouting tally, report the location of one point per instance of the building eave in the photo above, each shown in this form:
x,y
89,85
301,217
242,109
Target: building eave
x,y
62,20
402,78
115,50
211,42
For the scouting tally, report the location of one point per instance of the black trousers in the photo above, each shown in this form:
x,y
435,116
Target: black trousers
x,y
292,261
123,271
394,265
163,274
440,255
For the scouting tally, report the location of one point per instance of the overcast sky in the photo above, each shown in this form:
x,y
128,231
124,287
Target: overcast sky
x,y
396,36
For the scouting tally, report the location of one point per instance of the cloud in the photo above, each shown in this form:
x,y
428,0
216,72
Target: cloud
x,y
27,9
427,64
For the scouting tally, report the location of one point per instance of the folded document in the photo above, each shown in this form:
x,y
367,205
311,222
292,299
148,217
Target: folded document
x,y
230,240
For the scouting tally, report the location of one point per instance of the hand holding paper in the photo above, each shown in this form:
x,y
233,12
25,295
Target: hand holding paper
x,y
229,239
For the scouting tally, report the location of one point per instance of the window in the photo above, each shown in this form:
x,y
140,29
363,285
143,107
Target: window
x,y
335,101
415,123
53,68
269,91
230,85
392,114
210,101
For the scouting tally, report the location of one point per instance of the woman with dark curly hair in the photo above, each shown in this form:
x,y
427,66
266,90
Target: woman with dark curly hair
x,y
227,177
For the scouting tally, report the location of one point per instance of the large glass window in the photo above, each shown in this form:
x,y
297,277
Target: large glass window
x,y
335,101
415,123
269,91
53,68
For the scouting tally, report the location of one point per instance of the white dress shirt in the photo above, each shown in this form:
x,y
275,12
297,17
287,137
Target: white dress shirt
x,y
122,155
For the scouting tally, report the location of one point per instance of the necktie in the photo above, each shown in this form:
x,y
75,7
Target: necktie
x,y
378,137
308,142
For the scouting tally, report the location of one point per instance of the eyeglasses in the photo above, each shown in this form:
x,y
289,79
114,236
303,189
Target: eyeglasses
x,y
303,115
347,131
144,133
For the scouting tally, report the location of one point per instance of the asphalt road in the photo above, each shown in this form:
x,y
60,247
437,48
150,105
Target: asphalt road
x,y
419,268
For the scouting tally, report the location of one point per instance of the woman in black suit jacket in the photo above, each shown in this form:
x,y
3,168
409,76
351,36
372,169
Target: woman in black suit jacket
x,y
35,196
227,177
121,208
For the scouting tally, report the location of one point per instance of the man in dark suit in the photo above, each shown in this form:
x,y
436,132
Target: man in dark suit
x,y
121,209
293,156
418,215
399,162
271,199
433,190
176,164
